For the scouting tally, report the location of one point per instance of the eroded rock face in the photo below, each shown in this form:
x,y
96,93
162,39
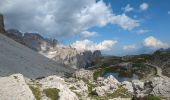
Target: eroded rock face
x,y
15,88
80,88
38,43
58,83
110,84
128,85
2,29
161,87
15,35
82,73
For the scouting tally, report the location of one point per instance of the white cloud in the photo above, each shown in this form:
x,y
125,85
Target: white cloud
x,y
61,17
141,31
125,22
129,47
88,34
169,12
90,45
154,43
128,8
144,6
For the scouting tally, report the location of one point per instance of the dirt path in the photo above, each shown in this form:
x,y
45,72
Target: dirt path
x,y
158,70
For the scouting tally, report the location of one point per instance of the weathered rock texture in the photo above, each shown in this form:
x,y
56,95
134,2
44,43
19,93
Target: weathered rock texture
x,y
58,83
110,84
2,29
16,58
161,87
15,88
82,73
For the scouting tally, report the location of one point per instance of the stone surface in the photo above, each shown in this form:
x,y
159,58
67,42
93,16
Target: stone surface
x,y
82,73
161,87
128,85
16,58
138,85
15,88
110,84
81,88
59,83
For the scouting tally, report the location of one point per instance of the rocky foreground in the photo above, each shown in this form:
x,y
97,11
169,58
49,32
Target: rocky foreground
x,y
80,86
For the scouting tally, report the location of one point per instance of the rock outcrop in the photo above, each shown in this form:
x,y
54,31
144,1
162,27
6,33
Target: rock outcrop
x,y
15,88
82,73
161,87
15,35
2,29
58,83
110,84
128,85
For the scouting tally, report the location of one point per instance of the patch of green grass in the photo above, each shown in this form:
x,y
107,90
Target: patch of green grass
x,y
36,92
52,93
152,98
121,92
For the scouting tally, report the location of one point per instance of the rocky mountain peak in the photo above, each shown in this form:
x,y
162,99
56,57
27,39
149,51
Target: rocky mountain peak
x,y
50,48
2,29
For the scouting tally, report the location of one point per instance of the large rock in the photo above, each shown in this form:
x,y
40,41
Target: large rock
x,y
80,88
82,73
138,87
128,85
110,84
58,83
2,29
15,88
100,90
161,87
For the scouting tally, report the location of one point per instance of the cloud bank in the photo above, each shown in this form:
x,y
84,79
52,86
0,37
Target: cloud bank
x,y
154,43
129,47
88,34
144,6
90,45
61,17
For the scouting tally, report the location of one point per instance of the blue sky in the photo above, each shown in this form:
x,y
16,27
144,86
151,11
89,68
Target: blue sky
x,y
116,27
155,19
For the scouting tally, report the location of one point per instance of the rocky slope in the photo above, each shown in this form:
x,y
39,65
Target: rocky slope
x,y
16,58
52,49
